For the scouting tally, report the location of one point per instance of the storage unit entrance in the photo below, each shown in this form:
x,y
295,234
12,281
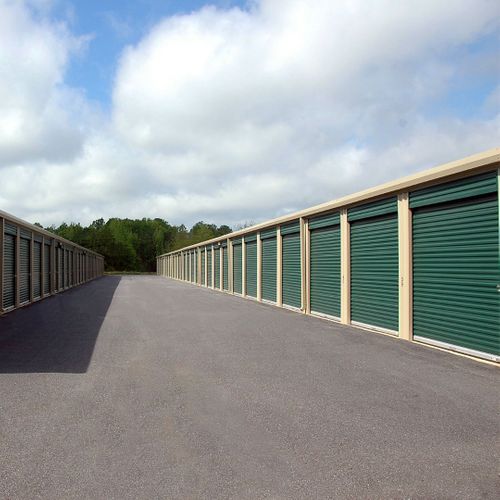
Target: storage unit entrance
x,y
291,262
325,273
374,264
456,265
225,267
269,264
251,265
237,266
217,267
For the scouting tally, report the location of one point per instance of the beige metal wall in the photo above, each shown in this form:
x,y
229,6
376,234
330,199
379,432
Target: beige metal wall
x,y
86,265
487,161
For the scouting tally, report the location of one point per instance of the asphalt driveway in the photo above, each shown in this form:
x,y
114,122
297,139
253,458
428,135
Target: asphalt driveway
x,y
143,387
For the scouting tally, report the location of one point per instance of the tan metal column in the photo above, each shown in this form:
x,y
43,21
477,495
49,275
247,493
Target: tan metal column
x,y
230,274
243,268
345,266
303,291
2,231
279,267
405,267
259,268
307,266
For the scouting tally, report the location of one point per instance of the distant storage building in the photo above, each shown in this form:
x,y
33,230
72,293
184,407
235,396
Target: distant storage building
x,y
417,258
35,263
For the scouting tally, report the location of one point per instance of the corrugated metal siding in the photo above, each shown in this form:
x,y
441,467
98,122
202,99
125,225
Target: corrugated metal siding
x,y
291,228
251,268
209,266
46,270
374,272
193,267
269,267
37,270
374,209
9,271
203,256
455,274
60,276
24,270
217,267
225,270
291,277
237,268
331,219
453,191
325,270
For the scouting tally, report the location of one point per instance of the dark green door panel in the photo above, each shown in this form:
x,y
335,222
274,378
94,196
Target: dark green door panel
x,y
37,269
292,279
217,268
375,271
225,269
209,267
9,271
46,269
325,270
237,269
456,272
269,266
251,268
203,282
24,271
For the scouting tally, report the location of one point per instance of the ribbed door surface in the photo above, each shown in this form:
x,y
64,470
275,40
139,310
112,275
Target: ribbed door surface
x,y
209,267
24,271
375,271
193,267
9,271
325,270
269,258
46,269
456,274
225,269
237,269
251,268
292,279
37,269
217,268
59,269
203,256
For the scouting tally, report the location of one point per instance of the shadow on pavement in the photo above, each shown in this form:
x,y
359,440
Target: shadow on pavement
x,y
57,334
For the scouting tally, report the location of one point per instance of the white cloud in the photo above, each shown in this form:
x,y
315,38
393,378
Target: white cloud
x,y
231,115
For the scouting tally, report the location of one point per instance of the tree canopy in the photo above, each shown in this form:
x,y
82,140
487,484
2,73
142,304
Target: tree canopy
x,y
133,245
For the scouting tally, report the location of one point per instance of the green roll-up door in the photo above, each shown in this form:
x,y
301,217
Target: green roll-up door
x,y
251,266
374,264
269,265
456,272
237,268
9,270
203,257
60,276
209,267
291,273
37,269
46,269
325,265
225,268
24,270
217,267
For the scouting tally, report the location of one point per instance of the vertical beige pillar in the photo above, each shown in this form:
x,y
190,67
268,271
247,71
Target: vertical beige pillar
x,y
243,267
279,267
307,267
259,268
206,265
198,259
2,231
405,267
303,292
230,268
345,266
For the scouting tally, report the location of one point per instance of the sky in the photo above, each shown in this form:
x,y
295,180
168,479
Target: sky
x,y
235,111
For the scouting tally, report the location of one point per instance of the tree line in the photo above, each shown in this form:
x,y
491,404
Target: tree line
x,y
132,245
